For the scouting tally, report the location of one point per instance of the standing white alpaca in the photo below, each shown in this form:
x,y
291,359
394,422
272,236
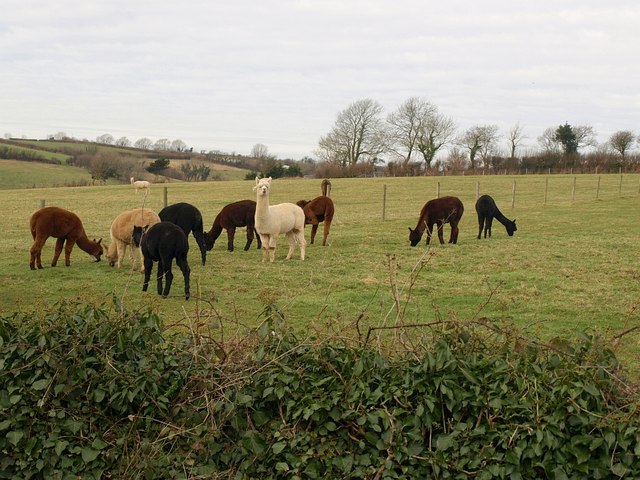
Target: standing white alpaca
x,y
272,220
141,185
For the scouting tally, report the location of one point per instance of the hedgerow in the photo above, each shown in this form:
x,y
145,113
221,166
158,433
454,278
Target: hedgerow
x,y
97,392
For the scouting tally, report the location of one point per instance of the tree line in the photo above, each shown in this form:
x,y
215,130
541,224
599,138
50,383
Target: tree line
x,y
410,139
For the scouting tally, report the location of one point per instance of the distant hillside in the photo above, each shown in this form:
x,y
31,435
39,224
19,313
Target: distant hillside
x,y
29,163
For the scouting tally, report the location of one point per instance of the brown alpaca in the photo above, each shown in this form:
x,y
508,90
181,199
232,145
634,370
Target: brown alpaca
x,y
325,187
438,212
318,210
66,227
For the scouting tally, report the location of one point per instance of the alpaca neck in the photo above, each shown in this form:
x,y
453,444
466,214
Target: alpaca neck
x,y
87,245
215,231
262,205
501,218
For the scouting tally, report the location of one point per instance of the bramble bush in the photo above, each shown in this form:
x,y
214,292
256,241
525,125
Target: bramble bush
x,y
98,392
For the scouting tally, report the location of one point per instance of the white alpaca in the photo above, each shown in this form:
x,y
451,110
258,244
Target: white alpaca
x,y
141,185
272,220
121,235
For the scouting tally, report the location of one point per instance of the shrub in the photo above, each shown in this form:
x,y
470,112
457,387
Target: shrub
x,y
92,391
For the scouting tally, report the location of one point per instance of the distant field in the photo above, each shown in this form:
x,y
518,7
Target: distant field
x,y
19,174
572,265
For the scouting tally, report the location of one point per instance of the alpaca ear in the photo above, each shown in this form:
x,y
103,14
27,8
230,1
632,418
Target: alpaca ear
x,y
257,179
269,179
410,229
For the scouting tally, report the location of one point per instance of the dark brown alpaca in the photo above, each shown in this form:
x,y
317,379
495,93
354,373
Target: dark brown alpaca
x,y
66,227
317,211
438,211
232,216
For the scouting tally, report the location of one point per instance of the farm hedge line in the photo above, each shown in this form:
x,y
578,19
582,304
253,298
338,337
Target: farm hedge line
x,y
98,392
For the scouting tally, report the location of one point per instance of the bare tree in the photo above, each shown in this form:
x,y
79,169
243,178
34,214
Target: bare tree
x,y
266,160
162,144
418,127
515,138
143,143
358,135
105,139
622,141
123,142
479,140
178,146
548,141
585,136
405,125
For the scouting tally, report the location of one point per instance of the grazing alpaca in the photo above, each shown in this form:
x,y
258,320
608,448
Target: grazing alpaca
x,y
438,211
318,210
162,243
141,185
325,187
488,210
121,235
66,227
232,216
272,220
189,219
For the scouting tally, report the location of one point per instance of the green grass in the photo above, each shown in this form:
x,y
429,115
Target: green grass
x,y
20,174
572,265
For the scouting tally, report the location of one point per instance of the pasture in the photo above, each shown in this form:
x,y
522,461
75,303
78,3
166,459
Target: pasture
x,y
572,265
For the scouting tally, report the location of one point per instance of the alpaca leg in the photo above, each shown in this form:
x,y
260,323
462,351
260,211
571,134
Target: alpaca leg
x,y
272,247
148,267
429,230
160,275
186,272
257,237
302,243
327,226
454,233
67,251
57,251
35,254
291,237
168,279
231,235
441,232
480,224
141,258
488,227
314,230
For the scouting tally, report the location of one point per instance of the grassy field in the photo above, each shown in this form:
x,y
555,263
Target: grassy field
x,y
572,265
20,174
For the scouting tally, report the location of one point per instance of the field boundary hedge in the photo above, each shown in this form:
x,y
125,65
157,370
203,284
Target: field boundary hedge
x,y
100,392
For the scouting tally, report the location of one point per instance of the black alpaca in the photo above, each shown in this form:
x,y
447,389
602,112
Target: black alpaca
x,y
487,211
189,219
232,216
162,243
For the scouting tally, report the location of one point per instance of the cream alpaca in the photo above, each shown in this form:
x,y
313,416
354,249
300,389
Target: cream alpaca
x,y
121,232
272,220
141,185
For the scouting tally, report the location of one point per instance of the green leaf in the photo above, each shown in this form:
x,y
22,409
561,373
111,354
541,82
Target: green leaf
x,y
61,445
40,384
278,447
98,395
444,442
15,436
89,454
5,424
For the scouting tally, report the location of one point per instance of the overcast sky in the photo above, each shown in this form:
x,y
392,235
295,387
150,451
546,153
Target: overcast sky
x,y
226,75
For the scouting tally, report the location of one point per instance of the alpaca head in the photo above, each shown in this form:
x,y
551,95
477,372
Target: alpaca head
x,y
262,186
511,227
100,252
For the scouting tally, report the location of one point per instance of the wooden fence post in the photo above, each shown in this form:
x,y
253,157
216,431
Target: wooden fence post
x,y
546,189
384,199
42,203
598,187
573,190
165,196
477,190
438,190
513,194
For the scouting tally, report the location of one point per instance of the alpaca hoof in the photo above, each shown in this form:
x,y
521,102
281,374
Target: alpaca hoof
x,y
32,267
